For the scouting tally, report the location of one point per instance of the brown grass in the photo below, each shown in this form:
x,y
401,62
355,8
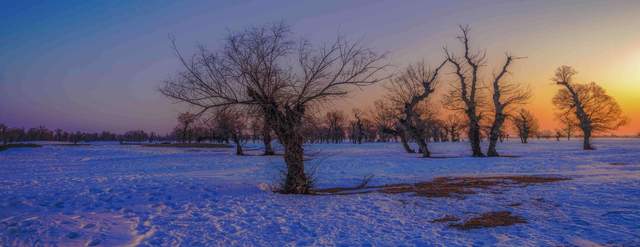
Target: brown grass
x,y
447,186
490,219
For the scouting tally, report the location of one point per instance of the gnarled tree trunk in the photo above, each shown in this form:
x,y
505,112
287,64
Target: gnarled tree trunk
x,y
287,124
474,137
495,135
404,141
417,136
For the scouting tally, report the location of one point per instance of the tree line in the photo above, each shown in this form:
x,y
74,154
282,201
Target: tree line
x,y
42,133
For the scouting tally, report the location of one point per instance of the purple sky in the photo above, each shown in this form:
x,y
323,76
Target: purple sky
x,y
96,65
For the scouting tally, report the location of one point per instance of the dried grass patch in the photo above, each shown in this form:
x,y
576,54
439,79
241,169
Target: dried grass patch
x,y
446,186
490,219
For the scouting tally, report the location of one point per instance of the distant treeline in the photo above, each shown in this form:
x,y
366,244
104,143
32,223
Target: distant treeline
x,y
41,133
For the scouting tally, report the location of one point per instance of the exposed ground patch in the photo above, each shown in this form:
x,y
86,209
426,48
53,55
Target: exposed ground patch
x,y
447,186
490,219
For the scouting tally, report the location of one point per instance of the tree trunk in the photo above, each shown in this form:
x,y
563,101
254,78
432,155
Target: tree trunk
x,y
239,149
423,148
288,128
422,144
238,142
585,122
474,139
405,143
266,138
495,135
296,181
586,143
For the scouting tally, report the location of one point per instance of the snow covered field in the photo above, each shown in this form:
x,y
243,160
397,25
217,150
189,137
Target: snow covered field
x,y
108,194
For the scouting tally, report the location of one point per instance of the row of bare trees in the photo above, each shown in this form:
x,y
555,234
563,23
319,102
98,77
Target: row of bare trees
x,y
411,91
266,73
42,133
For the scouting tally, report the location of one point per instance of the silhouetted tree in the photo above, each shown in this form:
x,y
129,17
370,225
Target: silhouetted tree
x,y
357,127
233,122
406,92
335,126
505,96
185,120
264,67
465,96
525,124
453,125
592,106
569,121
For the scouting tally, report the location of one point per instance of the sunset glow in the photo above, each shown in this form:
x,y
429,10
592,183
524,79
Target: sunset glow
x,y
93,67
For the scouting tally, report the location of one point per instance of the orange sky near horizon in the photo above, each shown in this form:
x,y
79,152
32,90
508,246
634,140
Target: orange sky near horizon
x,y
603,48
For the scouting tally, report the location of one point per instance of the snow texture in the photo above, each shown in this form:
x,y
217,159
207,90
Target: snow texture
x,y
113,195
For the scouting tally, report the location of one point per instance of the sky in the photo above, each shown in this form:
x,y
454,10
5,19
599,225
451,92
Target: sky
x,y
97,65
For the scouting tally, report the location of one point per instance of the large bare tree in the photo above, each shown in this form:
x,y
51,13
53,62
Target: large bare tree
x,y
465,95
264,67
406,92
593,107
505,96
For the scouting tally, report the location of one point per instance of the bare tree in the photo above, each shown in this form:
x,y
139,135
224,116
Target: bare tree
x,y
525,124
505,96
465,96
569,121
386,120
406,92
335,126
264,67
185,120
263,129
232,121
592,106
453,126
357,127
